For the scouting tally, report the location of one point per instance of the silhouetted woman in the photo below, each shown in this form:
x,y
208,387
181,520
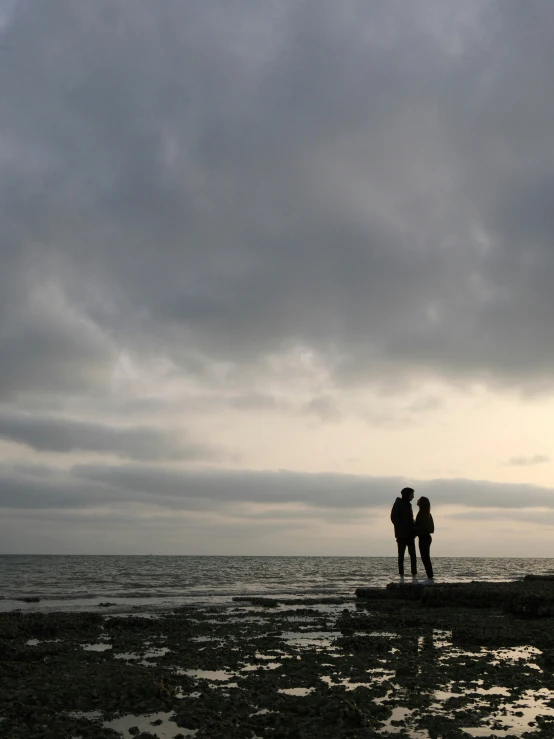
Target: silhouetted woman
x,y
424,527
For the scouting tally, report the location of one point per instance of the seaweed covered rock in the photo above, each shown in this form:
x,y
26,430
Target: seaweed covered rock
x,y
48,625
257,601
531,598
529,605
372,593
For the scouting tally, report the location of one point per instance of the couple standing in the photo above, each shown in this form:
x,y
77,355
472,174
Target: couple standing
x,y
406,529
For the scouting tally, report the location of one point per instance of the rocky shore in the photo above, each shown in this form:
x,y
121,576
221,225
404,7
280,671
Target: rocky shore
x,y
449,660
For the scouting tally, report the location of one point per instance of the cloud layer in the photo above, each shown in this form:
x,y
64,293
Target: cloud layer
x,y
226,182
62,435
206,489
214,213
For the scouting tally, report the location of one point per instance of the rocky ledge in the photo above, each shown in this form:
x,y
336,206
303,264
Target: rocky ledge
x,y
442,661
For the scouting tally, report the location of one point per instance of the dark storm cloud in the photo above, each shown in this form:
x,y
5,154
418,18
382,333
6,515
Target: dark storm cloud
x,y
66,435
318,490
500,517
324,408
522,461
231,179
46,343
333,495
29,489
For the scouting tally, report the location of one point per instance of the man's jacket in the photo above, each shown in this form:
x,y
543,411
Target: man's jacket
x,y
402,517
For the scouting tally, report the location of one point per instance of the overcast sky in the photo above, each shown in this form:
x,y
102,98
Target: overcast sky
x,y
265,263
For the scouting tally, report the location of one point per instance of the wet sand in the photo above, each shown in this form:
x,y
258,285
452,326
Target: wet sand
x,y
406,661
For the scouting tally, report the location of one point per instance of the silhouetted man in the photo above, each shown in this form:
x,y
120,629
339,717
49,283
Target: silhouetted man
x,y
402,517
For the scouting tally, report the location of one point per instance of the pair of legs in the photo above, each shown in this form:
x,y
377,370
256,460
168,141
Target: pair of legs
x,y
425,552
410,544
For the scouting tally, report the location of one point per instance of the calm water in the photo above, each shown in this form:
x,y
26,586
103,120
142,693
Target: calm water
x,y
154,583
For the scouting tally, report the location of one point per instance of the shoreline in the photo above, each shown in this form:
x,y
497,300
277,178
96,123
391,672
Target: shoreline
x,y
161,603
448,660
83,583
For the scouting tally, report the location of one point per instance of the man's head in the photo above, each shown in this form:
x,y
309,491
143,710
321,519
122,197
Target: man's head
x,y
407,494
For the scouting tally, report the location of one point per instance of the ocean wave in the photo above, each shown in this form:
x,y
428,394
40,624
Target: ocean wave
x,y
81,583
92,596
170,594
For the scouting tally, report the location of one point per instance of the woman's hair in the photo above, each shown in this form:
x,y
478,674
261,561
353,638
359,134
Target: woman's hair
x,y
424,505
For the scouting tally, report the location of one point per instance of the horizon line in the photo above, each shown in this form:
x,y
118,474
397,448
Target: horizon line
x,y
307,556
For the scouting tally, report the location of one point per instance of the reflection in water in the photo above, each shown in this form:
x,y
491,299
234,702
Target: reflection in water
x,y
90,715
96,647
519,716
207,674
318,639
144,659
495,709
296,691
399,721
344,682
266,666
261,712
166,729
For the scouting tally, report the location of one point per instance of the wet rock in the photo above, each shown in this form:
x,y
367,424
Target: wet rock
x,y
47,625
531,598
255,601
530,605
546,659
404,591
329,600
372,593
386,653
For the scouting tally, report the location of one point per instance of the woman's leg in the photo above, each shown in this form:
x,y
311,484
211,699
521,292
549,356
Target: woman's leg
x,y
425,552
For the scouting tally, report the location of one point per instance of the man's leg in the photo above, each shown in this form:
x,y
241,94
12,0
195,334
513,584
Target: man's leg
x,y
425,551
413,556
401,550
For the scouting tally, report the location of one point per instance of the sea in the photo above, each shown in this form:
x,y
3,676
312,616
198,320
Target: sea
x,y
158,583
